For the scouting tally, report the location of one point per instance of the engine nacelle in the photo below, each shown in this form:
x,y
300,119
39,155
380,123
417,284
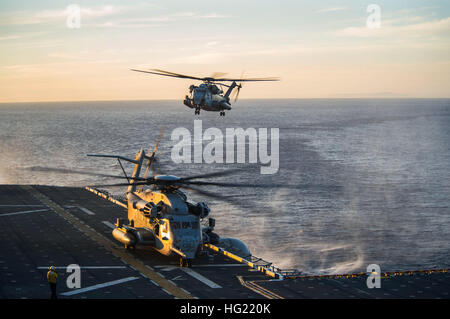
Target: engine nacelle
x,y
146,207
201,209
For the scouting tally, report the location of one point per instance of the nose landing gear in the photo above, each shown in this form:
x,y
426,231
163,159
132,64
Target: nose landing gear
x,y
222,113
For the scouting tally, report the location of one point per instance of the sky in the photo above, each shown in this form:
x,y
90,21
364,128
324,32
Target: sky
x,y
319,49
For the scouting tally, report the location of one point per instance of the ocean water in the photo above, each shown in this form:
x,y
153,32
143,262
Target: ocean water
x,y
373,175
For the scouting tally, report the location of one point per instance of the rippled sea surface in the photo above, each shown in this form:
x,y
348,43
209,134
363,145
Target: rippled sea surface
x,y
373,175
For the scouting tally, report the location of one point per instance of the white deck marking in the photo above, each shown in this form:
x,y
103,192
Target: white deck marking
x,y
99,286
22,205
203,279
108,224
25,212
88,267
168,268
179,278
85,210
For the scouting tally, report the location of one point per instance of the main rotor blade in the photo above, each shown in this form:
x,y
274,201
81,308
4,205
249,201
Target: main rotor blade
x,y
124,184
215,174
249,79
206,193
226,199
225,184
222,84
152,157
171,75
70,171
178,74
210,79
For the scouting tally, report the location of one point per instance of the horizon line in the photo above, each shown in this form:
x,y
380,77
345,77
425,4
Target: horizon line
x,y
284,98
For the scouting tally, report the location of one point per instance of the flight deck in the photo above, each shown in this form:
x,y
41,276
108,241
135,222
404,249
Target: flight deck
x,y
62,226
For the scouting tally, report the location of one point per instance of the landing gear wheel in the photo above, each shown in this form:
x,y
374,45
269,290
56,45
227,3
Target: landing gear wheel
x,y
222,113
197,111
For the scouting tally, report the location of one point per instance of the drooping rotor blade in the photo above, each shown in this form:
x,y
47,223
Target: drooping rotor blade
x,y
122,184
174,75
226,184
70,171
227,199
215,174
206,193
114,156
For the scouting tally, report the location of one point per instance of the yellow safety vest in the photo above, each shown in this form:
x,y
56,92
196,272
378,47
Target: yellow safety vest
x,y
52,276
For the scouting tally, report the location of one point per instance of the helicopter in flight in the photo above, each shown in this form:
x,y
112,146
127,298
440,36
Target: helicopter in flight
x,y
162,217
209,95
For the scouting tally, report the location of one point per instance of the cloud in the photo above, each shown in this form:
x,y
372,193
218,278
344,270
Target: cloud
x,y
155,21
212,44
10,37
118,24
387,28
213,16
50,16
21,36
331,9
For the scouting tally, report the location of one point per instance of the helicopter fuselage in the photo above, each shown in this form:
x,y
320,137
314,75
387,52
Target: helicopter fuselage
x,y
208,97
176,231
164,219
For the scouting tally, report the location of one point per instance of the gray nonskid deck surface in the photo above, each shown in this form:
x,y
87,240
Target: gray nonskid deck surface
x,y
32,241
34,237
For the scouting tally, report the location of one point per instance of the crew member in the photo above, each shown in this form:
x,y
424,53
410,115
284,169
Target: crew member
x,y
52,276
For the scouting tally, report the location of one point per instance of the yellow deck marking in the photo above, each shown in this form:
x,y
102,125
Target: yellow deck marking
x,y
258,289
